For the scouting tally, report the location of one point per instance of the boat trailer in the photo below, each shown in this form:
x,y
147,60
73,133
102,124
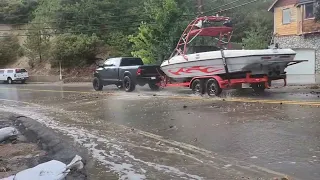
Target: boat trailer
x,y
214,84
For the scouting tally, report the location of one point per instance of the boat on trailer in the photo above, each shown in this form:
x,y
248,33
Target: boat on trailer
x,y
211,68
188,61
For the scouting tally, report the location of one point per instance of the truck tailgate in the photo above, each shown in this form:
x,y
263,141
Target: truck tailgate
x,y
150,70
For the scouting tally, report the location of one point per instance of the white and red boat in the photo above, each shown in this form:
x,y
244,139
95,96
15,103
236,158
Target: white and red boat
x,y
189,61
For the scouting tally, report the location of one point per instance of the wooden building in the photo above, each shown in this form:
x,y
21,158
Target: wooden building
x,y
295,27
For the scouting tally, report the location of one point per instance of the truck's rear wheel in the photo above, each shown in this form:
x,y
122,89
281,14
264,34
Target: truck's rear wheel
x,y
197,86
128,84
213,88
97,84
154,86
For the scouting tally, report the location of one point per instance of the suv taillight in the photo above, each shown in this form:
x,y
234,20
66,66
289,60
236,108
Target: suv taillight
x,y
139,71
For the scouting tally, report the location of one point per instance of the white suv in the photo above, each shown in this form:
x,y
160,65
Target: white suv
x,y
11,75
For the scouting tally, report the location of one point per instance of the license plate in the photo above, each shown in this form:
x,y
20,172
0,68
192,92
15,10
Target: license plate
x,y
153,77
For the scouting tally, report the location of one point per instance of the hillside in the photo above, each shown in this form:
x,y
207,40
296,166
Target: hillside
x,y
53,31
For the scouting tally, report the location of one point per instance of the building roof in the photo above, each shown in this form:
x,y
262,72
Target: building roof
x,y
299,2
305,1
272,5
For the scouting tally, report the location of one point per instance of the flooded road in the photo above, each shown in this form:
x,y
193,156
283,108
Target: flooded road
x,y
172,134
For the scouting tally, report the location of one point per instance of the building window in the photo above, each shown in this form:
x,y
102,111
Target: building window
x,y
309,10
286,16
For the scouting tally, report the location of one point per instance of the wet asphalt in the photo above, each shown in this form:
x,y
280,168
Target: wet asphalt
x,y
172,134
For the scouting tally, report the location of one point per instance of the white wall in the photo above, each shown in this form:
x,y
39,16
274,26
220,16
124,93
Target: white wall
x,y
303,73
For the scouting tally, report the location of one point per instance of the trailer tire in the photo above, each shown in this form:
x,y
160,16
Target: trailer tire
x,y
128,84
258,87
197,86
213,88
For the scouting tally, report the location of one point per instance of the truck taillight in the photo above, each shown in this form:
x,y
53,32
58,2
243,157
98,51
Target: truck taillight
x,y
139,71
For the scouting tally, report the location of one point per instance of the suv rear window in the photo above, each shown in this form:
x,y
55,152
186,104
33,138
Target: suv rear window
x,y
20,70
131,62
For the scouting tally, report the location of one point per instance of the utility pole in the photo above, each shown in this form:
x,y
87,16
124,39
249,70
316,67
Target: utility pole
x,y
200,7
200,12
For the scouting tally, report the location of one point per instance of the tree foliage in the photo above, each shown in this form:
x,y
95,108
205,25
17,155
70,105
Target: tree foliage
x,y
16,11
257,37
9,49
75,50
148,29
156,40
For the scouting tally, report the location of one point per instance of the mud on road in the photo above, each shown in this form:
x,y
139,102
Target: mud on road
x,y
175,135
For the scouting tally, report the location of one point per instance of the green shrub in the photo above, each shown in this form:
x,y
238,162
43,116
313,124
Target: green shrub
x,y
75,50
9,49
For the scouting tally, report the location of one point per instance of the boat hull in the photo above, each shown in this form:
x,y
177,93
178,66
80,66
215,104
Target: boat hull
x,y
210,63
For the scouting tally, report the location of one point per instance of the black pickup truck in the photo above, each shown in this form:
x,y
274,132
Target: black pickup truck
x,y
126,72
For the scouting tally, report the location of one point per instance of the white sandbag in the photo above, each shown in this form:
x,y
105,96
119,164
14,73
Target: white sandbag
x,y
52,170
7,132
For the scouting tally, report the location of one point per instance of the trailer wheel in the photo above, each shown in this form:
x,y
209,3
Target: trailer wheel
x,y
258,87
197,86
128,84
213,88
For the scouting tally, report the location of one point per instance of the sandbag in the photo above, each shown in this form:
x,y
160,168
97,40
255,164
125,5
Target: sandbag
x,y
52,170
7,132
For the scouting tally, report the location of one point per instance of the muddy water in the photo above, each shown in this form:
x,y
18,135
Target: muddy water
x,y
128,133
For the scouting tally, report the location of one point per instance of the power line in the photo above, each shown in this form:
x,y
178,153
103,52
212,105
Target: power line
x,y
66,12
62,21
72,32
237,6
221,6
67,27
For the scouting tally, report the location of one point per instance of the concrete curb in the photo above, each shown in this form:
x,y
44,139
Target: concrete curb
x,y
53,143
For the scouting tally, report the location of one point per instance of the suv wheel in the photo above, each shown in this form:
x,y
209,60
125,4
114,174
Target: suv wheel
x,y
128,84
9,81
97,84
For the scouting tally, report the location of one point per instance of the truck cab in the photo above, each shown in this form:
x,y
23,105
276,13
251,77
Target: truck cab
x,y
126,72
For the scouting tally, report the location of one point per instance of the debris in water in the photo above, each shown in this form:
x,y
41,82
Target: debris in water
x,y
185,106
254,157
171,126
159,143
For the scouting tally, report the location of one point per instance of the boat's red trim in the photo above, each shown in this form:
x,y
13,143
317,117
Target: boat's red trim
x,y
188,70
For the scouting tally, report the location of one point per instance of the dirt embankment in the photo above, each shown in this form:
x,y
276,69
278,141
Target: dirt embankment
x,y
76,74
34,145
